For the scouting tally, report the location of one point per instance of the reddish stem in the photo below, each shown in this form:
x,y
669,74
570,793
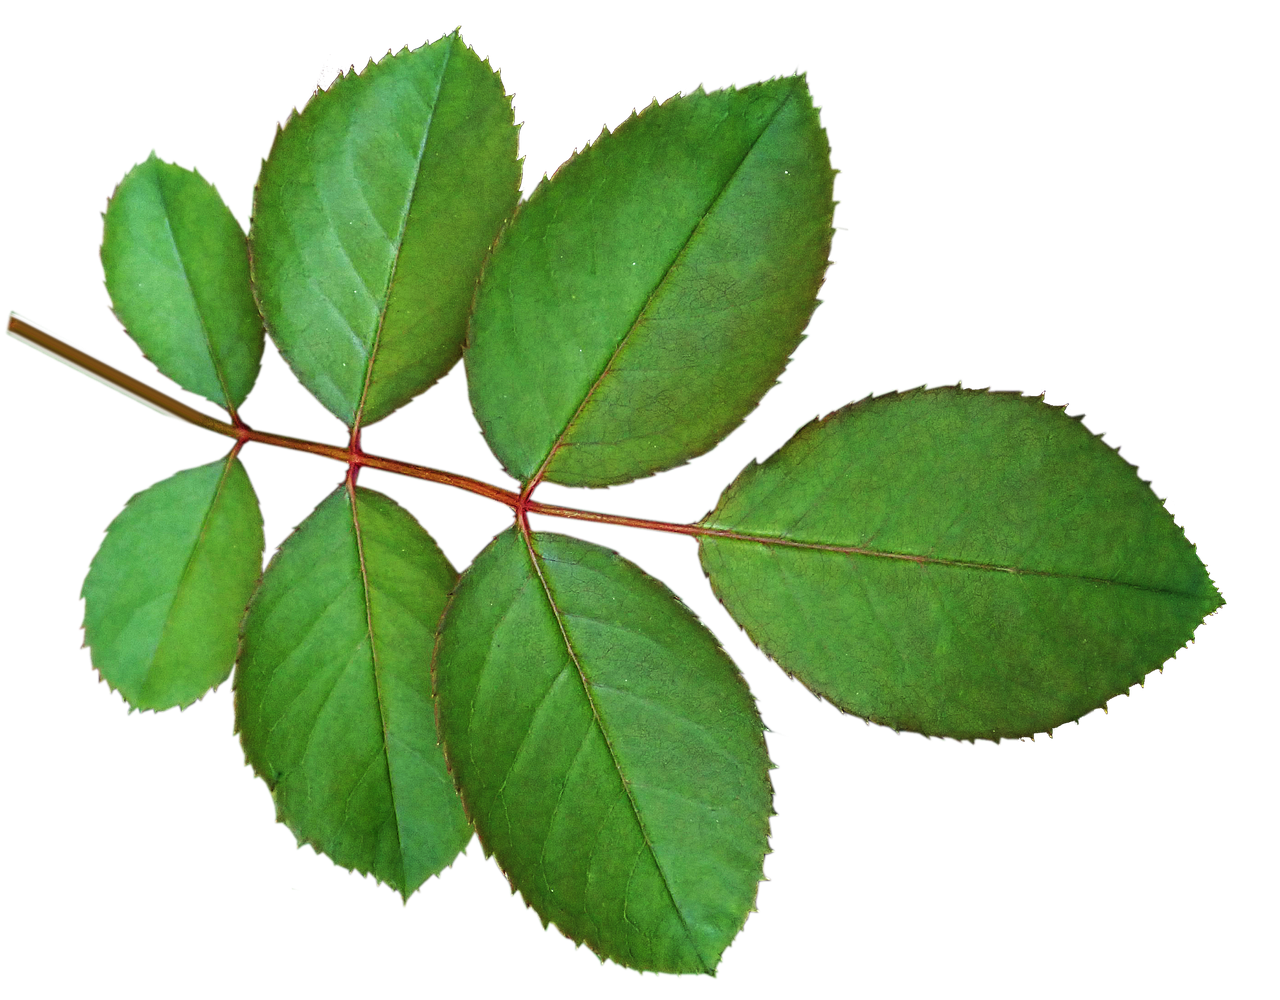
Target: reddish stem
x,y
352,455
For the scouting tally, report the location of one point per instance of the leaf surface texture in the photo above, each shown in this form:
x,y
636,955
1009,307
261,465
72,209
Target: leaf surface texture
x,y
607,750
643,300
167,589
372,217
957,563
333,690
177,270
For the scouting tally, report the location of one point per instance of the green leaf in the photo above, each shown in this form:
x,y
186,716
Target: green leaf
x,y
165,593
333,690
644,299
957,563
371,220
177,271
607,750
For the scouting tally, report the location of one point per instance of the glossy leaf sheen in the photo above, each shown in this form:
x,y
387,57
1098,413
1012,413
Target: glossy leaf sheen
x,y
177,270
607,750
333,690
372,217
165,593
644,299
958,563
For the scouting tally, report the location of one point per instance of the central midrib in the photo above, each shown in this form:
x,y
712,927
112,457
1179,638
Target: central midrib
x,y
608,368
398,243
599,724
738,536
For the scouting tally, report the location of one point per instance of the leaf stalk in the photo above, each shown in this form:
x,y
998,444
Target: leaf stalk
x,y
352,456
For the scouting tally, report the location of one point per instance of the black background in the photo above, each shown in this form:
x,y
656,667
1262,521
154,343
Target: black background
x,y
1105,220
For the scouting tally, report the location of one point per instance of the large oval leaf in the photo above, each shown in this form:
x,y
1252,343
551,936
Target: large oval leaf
x,y
333,690
958,563
165,593
607,750
644,299
177,270
372,217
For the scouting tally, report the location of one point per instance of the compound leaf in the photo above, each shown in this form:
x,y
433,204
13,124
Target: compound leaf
x,y
333,690
177,270
165,593
371,220
957,563
607,750
643,300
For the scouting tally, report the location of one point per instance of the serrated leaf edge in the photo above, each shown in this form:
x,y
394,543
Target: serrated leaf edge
x,y
488,852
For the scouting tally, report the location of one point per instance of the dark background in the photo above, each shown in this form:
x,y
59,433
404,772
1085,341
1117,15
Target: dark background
x,y
1105,222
